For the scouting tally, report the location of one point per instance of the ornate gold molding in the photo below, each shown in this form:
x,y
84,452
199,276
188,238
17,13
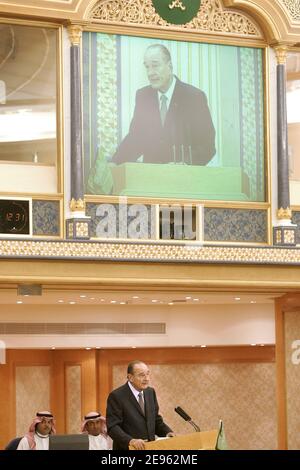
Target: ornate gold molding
x,y
284,213
293,8
75,33
77,205
154,252
281,52
211,18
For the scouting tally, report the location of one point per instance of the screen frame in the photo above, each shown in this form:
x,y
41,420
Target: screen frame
x,y
187,36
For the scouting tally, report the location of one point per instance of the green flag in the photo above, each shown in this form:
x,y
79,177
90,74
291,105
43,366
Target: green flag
x,y
221,440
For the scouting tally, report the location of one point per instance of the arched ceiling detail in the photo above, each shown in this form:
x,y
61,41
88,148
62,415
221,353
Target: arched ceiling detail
x,y
279,20
212,18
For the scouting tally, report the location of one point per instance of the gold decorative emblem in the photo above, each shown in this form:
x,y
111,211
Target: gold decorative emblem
x,y
284,213
176,4
78,205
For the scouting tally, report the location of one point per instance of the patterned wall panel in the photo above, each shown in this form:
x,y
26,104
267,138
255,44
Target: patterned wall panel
x,y
252,121
296,220
242,395
119,217
73,398
32,394
292,333
46,218
235,225
99,103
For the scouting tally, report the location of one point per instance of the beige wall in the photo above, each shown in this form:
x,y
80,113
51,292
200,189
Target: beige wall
x,y
242,395
32,394
292,355
186,325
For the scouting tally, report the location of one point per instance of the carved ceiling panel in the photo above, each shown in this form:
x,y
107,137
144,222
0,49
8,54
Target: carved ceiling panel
x,y
293,8
211,18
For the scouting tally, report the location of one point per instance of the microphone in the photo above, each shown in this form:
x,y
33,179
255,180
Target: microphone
x,y
187,418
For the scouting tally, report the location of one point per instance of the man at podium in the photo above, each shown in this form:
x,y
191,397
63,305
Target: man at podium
x,y
171,121
132,413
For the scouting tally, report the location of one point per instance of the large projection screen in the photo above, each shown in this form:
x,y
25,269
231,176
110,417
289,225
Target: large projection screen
x,y
211,145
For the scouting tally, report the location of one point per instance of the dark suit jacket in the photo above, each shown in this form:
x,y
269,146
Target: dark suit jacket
x,y
13,444
125,419
188,133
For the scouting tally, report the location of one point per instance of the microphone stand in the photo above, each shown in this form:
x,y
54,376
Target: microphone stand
x,y
195,426
187,418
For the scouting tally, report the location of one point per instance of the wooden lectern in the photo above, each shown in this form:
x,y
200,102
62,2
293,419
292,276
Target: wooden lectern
x,y
206,440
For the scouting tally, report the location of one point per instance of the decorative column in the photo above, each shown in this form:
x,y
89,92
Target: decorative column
x,y
284,231
78,226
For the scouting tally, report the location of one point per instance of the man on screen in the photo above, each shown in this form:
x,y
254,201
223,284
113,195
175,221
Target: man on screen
x,y
171,121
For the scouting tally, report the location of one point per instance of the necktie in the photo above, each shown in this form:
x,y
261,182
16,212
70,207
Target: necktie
x,y
141,402
163,108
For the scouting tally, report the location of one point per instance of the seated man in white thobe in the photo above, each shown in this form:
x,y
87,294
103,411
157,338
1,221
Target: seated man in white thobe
x,y
95,426
39,431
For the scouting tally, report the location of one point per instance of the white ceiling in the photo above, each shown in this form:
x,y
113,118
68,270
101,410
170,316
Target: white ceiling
x,y
99,297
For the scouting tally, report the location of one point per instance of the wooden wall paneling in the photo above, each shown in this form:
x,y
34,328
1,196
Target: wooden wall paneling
x,y
281,377
89,382
87,362
58,387
73,394
226,354
7,416
15,358
104,373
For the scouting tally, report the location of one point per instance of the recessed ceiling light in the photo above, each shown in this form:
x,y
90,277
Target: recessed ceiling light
x,y
82,296
196,299
135,297
72,302
188,298
170,303
237,298
113,301
122,303
61,301
154,300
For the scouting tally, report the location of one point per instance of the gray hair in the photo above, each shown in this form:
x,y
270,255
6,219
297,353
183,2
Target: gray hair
x,y
164,50
131,365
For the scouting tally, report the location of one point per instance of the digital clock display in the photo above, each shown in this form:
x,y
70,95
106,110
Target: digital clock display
x,y
14,217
